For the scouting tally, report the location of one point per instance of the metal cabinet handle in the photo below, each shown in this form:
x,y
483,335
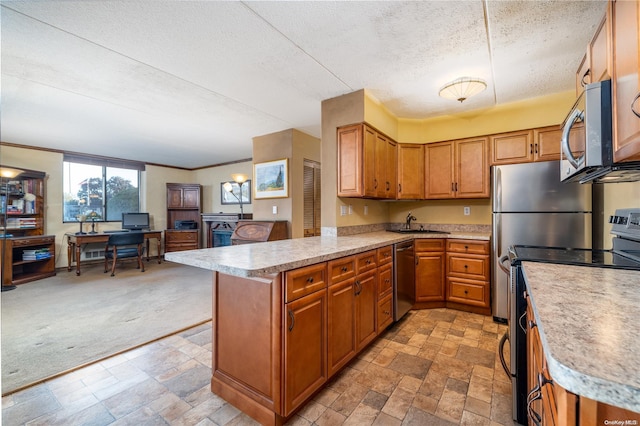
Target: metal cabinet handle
x,y
375,184
344,269
534,395
399,187
358,288
310,279
636,113
530,148
520,322
293,320
535,148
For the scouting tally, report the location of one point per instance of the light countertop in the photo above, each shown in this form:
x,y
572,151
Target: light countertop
x,y
588,323
254,260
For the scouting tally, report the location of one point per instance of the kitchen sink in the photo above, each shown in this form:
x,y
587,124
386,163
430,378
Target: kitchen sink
x,y
417,231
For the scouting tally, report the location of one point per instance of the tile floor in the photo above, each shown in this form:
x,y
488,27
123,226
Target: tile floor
x,y
435,367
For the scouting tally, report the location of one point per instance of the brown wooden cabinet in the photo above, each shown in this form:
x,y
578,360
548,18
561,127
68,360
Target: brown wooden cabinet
x,y
457,169
305,348
430,272
385,287
468,274
512,147
410,171
625,34
341,345
366,163
24,199
595,65
183,203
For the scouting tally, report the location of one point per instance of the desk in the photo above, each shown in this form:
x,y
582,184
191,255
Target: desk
x,y
75,242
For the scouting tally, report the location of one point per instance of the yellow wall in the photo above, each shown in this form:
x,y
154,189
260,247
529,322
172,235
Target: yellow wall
x,y
618,195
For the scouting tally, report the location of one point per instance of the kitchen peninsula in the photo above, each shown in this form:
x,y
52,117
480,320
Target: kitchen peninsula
x,y
587,349
289,314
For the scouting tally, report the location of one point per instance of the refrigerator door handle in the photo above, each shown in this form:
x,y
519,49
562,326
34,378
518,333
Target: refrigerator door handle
x,y
498,226
501,264
503,341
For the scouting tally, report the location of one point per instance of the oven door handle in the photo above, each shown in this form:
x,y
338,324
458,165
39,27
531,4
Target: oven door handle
x,y
503,341
501,264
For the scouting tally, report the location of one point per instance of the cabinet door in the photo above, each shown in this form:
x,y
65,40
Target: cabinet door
x,y
365,290
380,172
430,274
439,174
350,161
391,173
411,162
305,348
385,276
174,198
512,147
472,168
599,53
626,87
191,198
341,344
369,165
582,76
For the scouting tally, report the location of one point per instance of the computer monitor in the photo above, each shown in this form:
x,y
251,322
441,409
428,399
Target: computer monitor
x,y
135,221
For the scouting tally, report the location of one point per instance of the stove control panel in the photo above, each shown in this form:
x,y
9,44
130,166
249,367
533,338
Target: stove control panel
x,y
626,223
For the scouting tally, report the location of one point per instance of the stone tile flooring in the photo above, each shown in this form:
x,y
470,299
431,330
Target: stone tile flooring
x,y
434,367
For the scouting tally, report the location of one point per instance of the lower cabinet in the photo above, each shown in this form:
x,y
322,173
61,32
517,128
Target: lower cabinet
x,y
430,271
305,348
341,346
181,239
468,274
28,258
365,291
549,404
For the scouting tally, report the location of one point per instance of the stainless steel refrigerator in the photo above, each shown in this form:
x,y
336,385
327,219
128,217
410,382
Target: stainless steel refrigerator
x,y
532,207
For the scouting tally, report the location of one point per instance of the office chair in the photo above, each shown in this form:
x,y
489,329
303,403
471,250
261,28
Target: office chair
x,y
123,245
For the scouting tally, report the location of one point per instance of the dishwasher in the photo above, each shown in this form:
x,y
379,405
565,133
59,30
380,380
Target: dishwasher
x,y
404,283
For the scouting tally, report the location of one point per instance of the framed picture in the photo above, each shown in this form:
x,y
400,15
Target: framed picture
x,y
271,179
229,198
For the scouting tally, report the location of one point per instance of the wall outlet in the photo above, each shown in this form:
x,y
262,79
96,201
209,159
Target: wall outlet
x,y
274,209
343,210
467,211
366,210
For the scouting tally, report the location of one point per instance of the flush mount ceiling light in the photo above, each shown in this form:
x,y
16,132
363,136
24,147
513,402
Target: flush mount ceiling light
x,y
462,88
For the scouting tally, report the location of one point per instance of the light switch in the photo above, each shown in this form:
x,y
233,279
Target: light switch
x,y
275,209
343,210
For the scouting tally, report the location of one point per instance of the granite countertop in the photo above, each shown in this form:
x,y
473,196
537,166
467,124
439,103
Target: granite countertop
x,y
587,317
254,260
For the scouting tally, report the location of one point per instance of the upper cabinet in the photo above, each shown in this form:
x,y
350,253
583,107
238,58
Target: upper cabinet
x,y
410,171
595,65
457,169
625,34
512,147
367,163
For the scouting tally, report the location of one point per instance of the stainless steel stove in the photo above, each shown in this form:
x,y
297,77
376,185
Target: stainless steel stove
x,y
625,254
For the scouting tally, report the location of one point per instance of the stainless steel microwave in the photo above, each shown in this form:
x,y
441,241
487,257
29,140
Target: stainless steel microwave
x,y
591,150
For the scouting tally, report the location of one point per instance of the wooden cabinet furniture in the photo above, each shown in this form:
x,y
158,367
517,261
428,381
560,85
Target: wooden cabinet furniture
x,y
254,231
457,169
512,147
305,336
28,258
183,203
625,81
280,337
366,163
410,171
595,65
468,275
430,273
22,199
549,403
218,227
385,287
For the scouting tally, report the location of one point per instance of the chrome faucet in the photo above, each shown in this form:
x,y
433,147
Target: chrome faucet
x,y
410,217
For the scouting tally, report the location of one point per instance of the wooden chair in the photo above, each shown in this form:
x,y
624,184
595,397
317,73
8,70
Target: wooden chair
x,y
123,245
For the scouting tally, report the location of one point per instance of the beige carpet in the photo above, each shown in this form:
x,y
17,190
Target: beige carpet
x,y
56,324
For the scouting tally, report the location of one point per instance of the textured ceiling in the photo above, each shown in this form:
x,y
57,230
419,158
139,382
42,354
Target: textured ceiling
x,y
190,83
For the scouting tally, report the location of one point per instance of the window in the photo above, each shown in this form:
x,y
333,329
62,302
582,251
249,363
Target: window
x,y
99,189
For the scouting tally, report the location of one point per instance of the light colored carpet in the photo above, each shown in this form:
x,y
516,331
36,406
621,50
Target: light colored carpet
x,y
57,324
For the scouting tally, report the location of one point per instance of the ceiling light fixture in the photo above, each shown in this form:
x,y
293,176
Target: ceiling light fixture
x,y
462,88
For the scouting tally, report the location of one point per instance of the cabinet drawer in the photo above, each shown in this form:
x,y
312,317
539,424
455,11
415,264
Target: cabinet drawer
x,y
436,244
385,313
468,246
385,255
307,280
468,292
472,267
341,269
181,236
366,261
30,241
385,275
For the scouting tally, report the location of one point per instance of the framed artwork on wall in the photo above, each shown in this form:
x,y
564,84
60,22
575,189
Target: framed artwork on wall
x,y
232,198
271,179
